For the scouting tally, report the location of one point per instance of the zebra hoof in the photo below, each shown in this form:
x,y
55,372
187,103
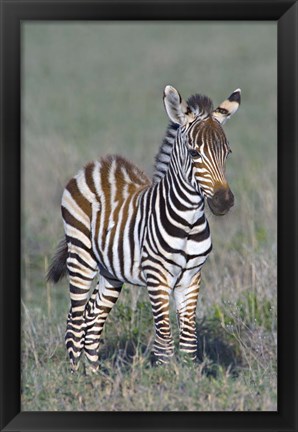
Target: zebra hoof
x,y
188,359
92,368
74,365
161,360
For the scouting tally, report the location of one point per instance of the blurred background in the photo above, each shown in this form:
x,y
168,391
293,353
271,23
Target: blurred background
x,y
93,88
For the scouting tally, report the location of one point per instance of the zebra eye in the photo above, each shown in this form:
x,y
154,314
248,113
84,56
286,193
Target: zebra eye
x,y
194,153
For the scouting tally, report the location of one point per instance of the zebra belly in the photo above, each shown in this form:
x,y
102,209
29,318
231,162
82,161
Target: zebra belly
x,y
126,270
116,259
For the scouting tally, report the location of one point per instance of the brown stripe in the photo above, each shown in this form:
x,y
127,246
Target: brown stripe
x,y
82,202
89,177
106,191
71,220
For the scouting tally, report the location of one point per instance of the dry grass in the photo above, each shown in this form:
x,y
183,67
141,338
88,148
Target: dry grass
x,y
96,88
237,368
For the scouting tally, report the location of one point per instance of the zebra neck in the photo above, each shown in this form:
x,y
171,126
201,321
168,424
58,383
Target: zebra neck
x,y
176,187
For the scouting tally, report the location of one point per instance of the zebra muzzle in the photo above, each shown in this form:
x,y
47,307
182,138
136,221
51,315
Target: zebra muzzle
x,y
221,202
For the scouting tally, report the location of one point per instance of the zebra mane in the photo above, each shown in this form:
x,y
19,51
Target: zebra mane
x,y
202,106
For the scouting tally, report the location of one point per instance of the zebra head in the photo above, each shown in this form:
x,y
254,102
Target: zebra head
x,y
207,147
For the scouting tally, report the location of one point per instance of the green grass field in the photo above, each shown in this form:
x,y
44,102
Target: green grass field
x,y
94,88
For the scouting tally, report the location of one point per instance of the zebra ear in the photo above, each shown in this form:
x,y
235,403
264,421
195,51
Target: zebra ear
x,y
176,108
228,107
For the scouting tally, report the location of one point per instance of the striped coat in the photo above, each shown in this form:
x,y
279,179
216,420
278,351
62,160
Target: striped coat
x,y
127,228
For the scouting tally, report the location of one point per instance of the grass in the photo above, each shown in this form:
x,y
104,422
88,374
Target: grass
x,y
236,370
94,88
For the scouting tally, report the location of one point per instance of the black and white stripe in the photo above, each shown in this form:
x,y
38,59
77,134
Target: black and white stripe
x,y
125,228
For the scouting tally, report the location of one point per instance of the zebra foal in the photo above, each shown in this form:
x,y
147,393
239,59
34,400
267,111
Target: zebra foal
x,y
123,227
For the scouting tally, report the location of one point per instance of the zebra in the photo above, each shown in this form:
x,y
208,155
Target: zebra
x,y
124,227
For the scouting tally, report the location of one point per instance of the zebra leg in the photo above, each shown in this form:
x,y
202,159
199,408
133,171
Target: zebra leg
x,y
82,269
99,306
163,347
186,304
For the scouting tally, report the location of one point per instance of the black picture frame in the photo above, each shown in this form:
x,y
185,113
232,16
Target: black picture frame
x,y
13,13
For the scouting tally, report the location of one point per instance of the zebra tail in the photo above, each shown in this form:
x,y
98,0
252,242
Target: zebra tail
x,y
58,268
